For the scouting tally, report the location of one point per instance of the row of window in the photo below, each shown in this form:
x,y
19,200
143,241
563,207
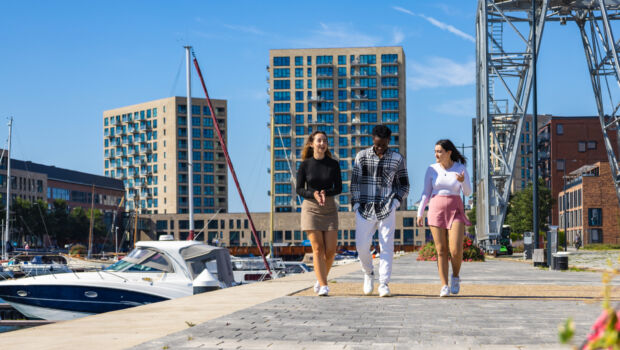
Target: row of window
x,y
123,118
329,59
341,72
570,200
129,150
81,196
130,129
200,110
370,94
386,117
355,83
130,139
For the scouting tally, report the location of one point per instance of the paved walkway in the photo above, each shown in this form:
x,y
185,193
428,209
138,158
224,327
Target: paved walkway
x,y
493,319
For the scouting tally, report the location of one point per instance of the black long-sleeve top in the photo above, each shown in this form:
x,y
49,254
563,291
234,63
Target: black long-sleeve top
x,y
319,174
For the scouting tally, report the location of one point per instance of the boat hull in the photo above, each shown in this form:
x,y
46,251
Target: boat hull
x,y
65,302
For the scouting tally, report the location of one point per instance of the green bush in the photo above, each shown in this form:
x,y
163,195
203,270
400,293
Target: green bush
x,y
77,249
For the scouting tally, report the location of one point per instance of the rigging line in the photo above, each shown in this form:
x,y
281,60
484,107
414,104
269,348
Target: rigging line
x,y
230,165
290,170
176,79
16,135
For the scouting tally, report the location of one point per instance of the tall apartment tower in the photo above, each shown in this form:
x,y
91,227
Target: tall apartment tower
x,y
342,91
145,145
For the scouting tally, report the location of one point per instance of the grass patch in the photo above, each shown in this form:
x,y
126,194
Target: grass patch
x,y
601,246
576,269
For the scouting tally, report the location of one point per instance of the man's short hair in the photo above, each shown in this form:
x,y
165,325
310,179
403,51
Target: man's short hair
x,y
382,131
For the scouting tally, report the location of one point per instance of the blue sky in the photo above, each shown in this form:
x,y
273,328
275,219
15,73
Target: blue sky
x,y
62,63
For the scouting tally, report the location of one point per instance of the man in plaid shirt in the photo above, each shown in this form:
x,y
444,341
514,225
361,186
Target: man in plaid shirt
x,y
379,183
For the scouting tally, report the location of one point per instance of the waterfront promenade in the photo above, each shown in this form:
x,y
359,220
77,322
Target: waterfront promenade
x,y
502,305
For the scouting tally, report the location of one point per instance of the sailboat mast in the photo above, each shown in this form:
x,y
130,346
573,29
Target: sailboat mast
x,y
190,155
5,239
92,218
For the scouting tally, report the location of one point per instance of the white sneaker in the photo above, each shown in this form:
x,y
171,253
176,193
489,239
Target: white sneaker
x,y
384,290
455,285
445,291
317,286
323,291
368,283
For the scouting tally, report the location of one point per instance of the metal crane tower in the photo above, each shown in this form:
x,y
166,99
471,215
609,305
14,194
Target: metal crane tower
x,y
504,79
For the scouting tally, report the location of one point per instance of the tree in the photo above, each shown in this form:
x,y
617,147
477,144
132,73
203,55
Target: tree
x,y
471,215
520,208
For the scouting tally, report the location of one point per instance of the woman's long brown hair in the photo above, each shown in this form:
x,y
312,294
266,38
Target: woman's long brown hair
x,y
308,151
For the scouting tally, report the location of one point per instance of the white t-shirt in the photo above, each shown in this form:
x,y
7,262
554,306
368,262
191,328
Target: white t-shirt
x,y
443,182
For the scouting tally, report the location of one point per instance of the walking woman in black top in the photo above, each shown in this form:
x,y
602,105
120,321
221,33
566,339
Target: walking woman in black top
x,y
318,181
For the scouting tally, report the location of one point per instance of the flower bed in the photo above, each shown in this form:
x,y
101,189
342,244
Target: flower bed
x,y
470,252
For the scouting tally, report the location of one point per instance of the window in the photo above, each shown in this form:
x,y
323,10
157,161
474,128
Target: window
x,y
408,222
299,95
581,146
389,70
389,93
281,84
281,73
389,58
342,83
281,61
299,60
342,118
282,96
325,72
342,71
299,72
560,164
390,105
591,144
324,59
324,83
389,81
559,129
595,216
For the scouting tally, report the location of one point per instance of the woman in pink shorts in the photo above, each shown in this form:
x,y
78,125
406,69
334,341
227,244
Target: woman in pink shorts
x,y
443,184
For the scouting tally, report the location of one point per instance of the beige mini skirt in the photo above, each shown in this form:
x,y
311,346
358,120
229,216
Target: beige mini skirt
x,y
319,218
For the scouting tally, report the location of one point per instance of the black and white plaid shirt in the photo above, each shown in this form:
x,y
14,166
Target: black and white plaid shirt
x,y
376,181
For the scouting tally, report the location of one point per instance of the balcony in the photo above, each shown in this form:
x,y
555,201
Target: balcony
x,y
359,97
543,137
391,62
358,62
389,74
323,64
316,99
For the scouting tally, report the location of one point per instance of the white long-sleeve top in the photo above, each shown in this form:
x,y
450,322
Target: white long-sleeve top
x,y
443,182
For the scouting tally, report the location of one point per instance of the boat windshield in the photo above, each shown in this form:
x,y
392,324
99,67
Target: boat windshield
x,y
142,260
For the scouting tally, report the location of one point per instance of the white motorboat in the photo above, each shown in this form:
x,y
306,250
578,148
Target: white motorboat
x,y
250,270
154,271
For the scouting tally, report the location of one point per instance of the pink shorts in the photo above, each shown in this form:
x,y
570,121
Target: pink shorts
x,y
443,210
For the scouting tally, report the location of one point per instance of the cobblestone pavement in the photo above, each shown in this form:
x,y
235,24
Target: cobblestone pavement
x,y
594,259
355,322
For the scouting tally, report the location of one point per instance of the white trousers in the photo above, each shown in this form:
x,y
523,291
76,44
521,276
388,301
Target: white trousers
x,y
364,230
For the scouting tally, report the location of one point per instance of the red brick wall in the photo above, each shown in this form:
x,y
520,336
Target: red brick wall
x,y
599,192
566,147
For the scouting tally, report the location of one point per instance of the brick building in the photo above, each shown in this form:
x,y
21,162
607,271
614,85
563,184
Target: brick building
x,y
589,206
566,144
